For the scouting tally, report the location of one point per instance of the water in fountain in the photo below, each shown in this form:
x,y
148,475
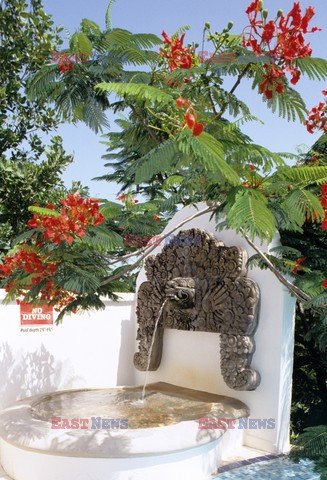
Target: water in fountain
x,y
150,350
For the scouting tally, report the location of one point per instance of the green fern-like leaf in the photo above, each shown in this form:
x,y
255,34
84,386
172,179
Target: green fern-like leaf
x,y
160,159
79,42
312,443
80,280
211,153
43,212
250,212
319,301
315,68
145,40
138,92
303,175
108,14
303,203
25,236
111,209
90,28
103,239
288,104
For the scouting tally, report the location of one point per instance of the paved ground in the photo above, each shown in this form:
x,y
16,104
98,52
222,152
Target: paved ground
x,y
244,453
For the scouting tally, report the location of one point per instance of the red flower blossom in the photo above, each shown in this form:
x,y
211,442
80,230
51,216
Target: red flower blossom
x,y
177,55
190,118
324,283
317,119
65,65
297,264
156,218
255,6
121,197
284,40
198,129
251,167
268,31
323,201
180,102
76,215
270,82
127,199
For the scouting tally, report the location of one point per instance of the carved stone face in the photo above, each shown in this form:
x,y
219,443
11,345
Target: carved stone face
x,y
181,292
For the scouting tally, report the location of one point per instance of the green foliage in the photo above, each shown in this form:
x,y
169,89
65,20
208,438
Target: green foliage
x,y
249,212
108,14
24,182
73,92
303,175
315,68
303,205
160,159
310,361
210,152
102,239
137,91
30,171
312,444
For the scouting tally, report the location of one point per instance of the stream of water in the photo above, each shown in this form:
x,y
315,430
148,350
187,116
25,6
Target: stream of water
x,y
151,348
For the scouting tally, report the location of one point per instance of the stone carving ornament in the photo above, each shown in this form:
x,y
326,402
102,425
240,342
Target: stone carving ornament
x,y
206,289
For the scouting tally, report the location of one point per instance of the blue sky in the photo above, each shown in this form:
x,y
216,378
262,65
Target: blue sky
x,y
151,16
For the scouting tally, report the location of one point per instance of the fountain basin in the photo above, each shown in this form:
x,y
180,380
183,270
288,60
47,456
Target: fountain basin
x,y
163,439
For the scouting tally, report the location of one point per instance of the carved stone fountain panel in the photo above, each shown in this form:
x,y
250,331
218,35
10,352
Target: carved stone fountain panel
x,y
206,289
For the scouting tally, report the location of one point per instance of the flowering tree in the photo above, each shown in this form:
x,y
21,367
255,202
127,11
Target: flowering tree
x,y
175,148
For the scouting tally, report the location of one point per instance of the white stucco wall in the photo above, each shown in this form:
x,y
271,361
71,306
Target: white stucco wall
x,y
191,359
89,350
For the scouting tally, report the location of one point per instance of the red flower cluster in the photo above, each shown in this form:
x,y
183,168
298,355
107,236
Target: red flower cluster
x,y
38,268
76,215
324,283
128,199
317,119
65,64
29,262
284,40
297,264
156,218
190,117
323,201
177,55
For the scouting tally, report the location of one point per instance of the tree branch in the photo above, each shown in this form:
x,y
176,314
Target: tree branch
x,y
144,252
232,90
300,294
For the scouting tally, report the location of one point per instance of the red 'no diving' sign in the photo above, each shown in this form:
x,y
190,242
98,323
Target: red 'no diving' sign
x,y
31,315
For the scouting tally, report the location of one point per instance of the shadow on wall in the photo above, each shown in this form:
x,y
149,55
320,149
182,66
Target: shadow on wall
x,y
125,368
24,374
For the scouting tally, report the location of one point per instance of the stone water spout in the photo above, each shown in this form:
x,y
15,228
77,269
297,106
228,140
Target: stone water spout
x,y
206,289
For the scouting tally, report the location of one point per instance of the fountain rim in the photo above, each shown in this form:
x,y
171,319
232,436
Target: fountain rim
x,y
142,441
